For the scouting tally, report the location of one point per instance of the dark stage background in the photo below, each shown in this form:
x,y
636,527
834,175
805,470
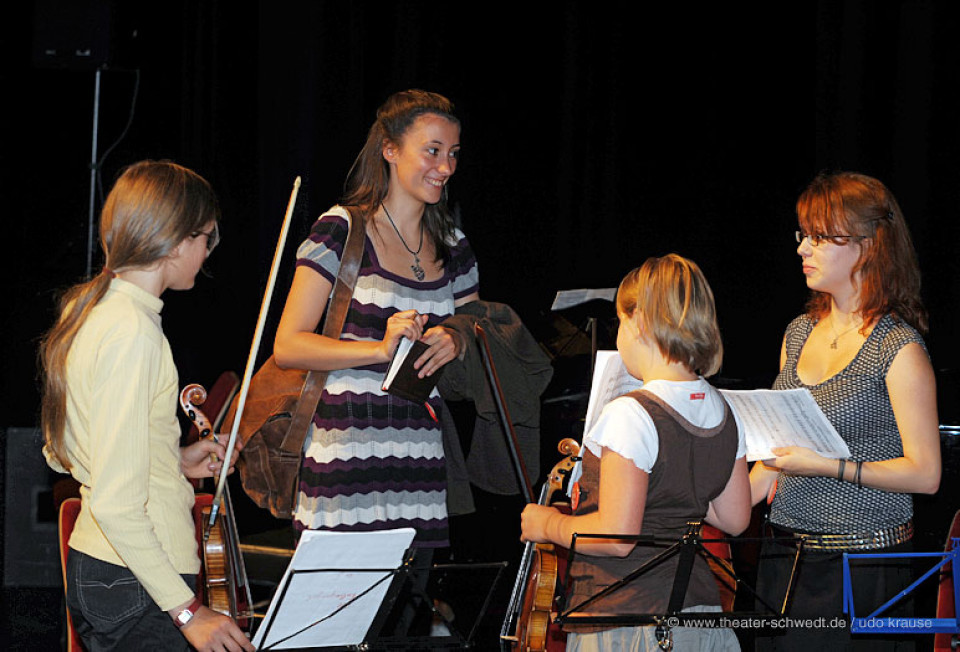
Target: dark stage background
x,y
593,137
595,134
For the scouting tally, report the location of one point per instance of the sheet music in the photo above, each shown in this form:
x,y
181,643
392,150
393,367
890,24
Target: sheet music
x,y
610,380
791,417
569,298
305,596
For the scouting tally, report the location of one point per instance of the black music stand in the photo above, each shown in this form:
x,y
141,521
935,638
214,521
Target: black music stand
x,y
687,548
340,602
456,638
366,615
397,577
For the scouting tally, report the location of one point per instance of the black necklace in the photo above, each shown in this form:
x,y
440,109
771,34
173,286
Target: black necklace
x,y
417,269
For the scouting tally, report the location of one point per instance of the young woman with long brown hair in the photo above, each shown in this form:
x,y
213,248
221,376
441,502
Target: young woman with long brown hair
x,y
373,461
109,418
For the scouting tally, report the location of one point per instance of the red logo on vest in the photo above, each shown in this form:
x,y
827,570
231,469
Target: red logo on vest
x,y
698,396
575,496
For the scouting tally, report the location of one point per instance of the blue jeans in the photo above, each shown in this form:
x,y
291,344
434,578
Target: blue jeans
x,y
112,611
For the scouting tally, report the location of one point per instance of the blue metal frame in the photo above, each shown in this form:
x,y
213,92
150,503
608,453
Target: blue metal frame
x,y
874,623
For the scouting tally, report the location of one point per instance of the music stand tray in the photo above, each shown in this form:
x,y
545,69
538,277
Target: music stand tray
x,y
340,589
334,588
689,546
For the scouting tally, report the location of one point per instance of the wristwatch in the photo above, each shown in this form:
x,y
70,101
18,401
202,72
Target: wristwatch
x,y
186,614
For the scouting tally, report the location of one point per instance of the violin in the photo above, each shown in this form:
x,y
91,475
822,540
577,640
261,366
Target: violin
x,y
535,590
226,589
225,579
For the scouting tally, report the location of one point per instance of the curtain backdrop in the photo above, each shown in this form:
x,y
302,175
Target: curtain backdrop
x,y
592,138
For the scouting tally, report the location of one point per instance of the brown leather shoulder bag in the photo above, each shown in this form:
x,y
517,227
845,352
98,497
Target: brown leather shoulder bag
x,y
281,402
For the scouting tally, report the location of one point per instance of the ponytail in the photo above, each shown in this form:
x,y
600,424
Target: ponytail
x,y
153,207
75,306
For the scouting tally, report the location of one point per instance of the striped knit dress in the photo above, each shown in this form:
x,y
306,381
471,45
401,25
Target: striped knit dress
x,y
375,461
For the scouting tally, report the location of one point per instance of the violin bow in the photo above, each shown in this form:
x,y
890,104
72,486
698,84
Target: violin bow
x,y
255,347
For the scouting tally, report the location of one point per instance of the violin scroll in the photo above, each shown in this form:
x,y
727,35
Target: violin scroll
x,y
560,473
567,447
190,397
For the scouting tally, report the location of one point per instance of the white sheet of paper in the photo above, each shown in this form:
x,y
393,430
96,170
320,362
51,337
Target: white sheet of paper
x,y
305,597
570,298
791,417
610,380
397,361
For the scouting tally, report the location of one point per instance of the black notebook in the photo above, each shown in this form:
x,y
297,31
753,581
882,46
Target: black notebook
x,y
401,378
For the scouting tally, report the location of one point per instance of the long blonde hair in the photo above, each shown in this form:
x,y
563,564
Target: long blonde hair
x,y
153,206
672,302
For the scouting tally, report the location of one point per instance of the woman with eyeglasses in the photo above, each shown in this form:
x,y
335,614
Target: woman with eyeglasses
x,y
109,419
859,349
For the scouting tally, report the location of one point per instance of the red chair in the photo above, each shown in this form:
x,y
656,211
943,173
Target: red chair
x,y
69,509
945,599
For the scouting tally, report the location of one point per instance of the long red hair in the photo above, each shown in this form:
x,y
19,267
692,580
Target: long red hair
x,y
848,203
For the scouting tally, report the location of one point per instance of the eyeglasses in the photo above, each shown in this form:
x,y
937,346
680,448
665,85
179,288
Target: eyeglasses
x,y
213,236
817,238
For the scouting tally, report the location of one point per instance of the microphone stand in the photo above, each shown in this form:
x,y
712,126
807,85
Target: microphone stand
x,y
94,170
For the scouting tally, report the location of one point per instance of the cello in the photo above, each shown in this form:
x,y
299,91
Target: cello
x,y
226,589
532,604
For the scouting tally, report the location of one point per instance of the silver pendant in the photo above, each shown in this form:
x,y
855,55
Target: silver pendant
x,y
417,270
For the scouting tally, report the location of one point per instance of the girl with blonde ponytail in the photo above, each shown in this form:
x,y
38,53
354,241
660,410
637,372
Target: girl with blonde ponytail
x,y
109,418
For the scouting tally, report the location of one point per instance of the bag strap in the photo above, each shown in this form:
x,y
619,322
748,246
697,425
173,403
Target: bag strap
x,y
332,327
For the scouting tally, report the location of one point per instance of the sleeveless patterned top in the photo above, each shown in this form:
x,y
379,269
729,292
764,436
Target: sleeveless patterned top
x,y
857,404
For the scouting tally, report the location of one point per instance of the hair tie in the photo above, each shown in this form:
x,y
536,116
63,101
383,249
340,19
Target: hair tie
x,y
109,272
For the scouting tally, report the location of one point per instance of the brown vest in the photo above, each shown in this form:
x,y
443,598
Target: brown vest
x,y
692,468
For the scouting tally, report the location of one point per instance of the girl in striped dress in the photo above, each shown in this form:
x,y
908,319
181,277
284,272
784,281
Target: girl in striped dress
x,y
373,461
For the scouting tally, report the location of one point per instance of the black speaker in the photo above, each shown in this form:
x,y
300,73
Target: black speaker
x,y
83,35
31,554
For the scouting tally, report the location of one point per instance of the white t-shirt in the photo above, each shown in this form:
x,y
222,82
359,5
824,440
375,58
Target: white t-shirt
x,y
627,429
